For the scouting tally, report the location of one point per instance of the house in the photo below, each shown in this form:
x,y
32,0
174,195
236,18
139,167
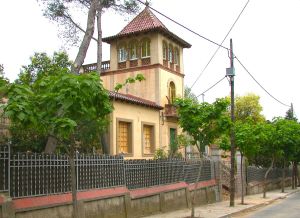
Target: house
x,y
144,118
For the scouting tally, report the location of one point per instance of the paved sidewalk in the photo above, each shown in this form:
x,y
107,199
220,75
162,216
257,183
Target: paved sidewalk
x,y
222,209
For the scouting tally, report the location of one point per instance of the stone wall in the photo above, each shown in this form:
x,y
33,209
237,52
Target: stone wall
x,y
112,203
257,187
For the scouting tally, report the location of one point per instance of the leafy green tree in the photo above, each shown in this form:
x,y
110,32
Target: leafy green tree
x,y
4,83
204,122
247,142
288,138
41,65
248,106
65,106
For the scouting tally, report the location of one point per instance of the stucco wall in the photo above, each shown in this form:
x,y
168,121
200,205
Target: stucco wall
x,y
137,115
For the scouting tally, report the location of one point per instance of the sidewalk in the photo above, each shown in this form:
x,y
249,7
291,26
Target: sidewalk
x,y
222,209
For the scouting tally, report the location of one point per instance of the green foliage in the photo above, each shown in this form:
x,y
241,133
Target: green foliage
x,y
160,154
130,80
4,83
248,107
204,122
42,65
64,105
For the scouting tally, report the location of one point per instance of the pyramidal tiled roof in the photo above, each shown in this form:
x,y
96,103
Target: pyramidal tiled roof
x,y
146,21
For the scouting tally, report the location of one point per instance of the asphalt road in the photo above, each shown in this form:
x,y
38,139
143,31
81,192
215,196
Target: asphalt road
x,y
285,208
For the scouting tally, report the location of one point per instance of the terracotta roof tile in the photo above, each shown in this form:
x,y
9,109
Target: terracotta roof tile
x,y
146,20
134,100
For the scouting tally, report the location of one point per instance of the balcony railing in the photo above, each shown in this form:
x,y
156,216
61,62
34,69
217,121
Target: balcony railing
x,y
170,111
105,66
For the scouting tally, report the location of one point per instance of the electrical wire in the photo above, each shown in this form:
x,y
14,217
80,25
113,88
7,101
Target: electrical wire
x,y
179,24
212,86
260,84
214,54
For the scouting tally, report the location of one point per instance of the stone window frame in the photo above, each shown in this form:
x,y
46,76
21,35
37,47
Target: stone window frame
x,y
153,127
130,136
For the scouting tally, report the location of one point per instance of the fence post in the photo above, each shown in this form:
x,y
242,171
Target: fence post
x,y
8,169
77,171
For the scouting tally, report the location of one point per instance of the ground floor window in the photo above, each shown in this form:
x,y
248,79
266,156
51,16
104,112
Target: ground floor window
x,y
124,138
148,139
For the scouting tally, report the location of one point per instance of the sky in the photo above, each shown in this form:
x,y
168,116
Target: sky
x,y
266,39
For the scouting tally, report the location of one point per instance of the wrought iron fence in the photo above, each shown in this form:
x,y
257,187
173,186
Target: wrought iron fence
x,y
4,167
39,174
99,171
26,174
192,168
257,174
146,173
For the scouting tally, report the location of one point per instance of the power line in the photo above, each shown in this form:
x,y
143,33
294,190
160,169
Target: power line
x,y
203,37
211,86
260,84
214,54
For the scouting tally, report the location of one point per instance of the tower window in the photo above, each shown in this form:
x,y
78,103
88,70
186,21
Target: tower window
x,y
122,52
171,53
145,48
133,48
165,51
172,92
176,56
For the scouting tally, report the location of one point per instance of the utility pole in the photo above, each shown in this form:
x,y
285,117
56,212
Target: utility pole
x,y
231,73
202,97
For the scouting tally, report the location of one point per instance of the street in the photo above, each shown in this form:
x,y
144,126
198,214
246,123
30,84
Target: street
x,y
287,208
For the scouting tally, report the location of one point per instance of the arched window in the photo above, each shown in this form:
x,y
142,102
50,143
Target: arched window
x,y
171,53
122,52
133,50
176,56
145,48
172,92
165,50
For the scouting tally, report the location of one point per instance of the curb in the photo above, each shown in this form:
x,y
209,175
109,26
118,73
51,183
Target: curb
x,y
258,205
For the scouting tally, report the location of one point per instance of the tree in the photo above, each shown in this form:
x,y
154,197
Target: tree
x,y
204,122
246,138
270,148
41,65
288,138
65,106
61,11
4,83
248,106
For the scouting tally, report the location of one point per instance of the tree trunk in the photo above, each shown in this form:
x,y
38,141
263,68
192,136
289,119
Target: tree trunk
x,y
242,179
295,173
194,193
283,178
265,178
99,42
73,181
86,39
293,176
51,145
297,176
